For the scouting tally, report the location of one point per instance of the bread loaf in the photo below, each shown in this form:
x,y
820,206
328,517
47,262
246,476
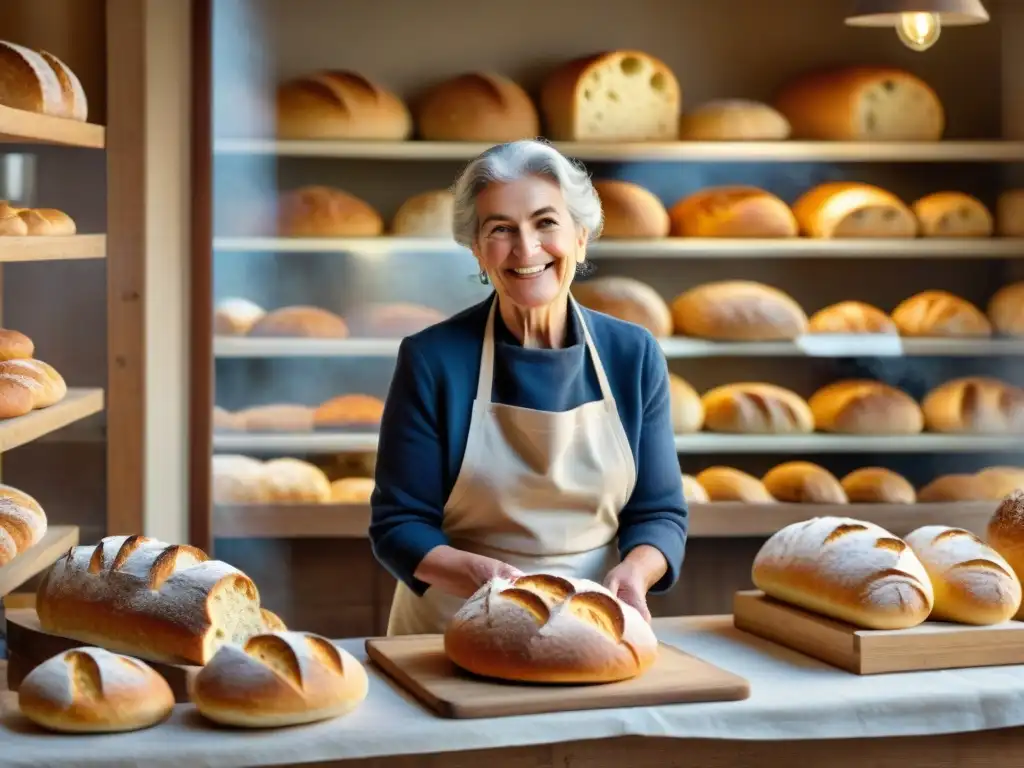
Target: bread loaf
x,y
861,103
340,105
236,317
428,214
733,120
728,484
953,214
846,569
50,386
15,345
975,404
547,629
320,211
865,407
801,482
1010,213
74,101
971,582
627,299
226,421
620,95
150,599
1006,310
851,209
687,409
1005,534
738,310
279,679
393,320
237,479
18,395
732,211
90,690
954,487
294,481
352,490
29,82
693,491
477,106
301,321
631,211
756,408
38,221
11,224
940,313
276,417
851,317
1002,481
272,622
22,523
877,485
349,412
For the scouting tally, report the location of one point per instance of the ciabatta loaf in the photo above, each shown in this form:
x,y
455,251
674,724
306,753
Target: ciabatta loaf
x,y
300,321
428,214
29,82
627,299
801,482
971,582
865,407
729,484
476,106
611,96
738,310
733,120
693,491
940,313
22,523
847,569
840,209
732,211
851,317
548,629
953,214
340,105
878,485
687,409
1006,310
861,103
1010,213
150,599
975,404
321,211
756,408
631,211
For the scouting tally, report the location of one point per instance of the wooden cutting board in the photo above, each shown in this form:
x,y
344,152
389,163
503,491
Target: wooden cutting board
x,y
931,645
418,664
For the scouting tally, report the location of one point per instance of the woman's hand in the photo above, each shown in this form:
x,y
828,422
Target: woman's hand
x,y
631,579
461,573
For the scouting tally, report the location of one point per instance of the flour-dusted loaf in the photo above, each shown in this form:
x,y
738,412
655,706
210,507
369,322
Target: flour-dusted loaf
x,y
1005,534
301,321
733,120
29,82
687,409
291,480
627,299
851,317
878,485
150,599
476,106
278,679
237,479
975,405
349,412
322,211
22,523
693,491
853,209
352,490
756,408
730,484
801,482
953,214
861,103
972,583
1010,213
391,320
236,316
340,105
49,386
940,313
846,569
631,210
548,629
1006,310
18,396
732,211
738,310
865,407
622,95
428,214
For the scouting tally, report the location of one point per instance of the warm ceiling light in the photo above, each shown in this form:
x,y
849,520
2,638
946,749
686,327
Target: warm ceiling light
x,y
917,22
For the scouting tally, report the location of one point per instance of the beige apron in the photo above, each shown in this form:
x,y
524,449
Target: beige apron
x,y
539,490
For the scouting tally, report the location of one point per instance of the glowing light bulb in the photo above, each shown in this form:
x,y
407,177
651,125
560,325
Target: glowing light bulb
x,y
918,31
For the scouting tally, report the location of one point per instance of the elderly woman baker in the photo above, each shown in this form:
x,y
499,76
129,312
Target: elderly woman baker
x,y
526,434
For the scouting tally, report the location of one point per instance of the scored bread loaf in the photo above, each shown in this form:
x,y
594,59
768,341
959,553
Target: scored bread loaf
x,y
865,407
428,214
476,106
352,490
549,629
732,211
18,395
236,316
301,321
861,103
627,299
321,211
687,409
801,482
631,210
953,214
1010,213
279,679
391,320
50,387
622,95
842,209
37,221
150,599
91,690
756,408
340,104
729,484
851,317
940,313
22,523
954,487
733,120
290,480
846,569
276,417
74,101
971,582
878,485
29,82
693,491
349,411
738,310
975,404
1005,534
1006,309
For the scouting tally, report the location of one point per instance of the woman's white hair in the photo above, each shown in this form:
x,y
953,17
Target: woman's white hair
x,y
515,160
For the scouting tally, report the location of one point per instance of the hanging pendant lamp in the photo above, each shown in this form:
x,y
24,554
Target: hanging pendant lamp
x,y
917,22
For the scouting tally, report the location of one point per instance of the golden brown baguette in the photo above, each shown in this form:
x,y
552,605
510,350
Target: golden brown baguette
x,y
340,104
975,405
687,408
321,211
953,214
733,120
850,317
732,211
865,407
940,313
801,482
756,408
476,106
852,209
729,484
627,299
1006,309
878,485
738,310
631,211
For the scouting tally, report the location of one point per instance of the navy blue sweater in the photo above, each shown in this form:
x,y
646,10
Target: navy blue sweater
x,y
426,423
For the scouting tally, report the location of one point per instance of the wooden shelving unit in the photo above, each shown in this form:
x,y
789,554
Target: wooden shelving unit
x,y
20,127
14,249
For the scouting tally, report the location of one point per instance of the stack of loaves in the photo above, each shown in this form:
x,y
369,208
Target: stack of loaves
x,y
245,480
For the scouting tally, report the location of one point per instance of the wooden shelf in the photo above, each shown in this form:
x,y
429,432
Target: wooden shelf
x,y
283,521
77,405
57,540
53,248
19,126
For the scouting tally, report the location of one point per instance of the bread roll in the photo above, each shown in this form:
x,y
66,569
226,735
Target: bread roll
x,y
851,317
149,599
320,211
622,95
18,395
953,487
547,629
865,407
861,103
1010,213
733,120
1005,534
349,411
39,221
1006,310
975,404
756,408
732,211
11,224
687,409
15,345
236,317
29,82
851,209
940,313
738,310
75,103
1000,482
393,320
476,106
953,214
342,105
51,387
301,321
846,569
631,211
971,582
693,491
276,417
237,479
352,490
627,299
428,214
877,485
728,484
801,482
90,690
294,481
22,523
279,679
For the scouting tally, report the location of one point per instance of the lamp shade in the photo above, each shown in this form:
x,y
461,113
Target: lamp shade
x,y
885,13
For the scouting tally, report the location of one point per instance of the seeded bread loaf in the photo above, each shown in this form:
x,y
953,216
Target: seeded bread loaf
x,y
733,120
848,209
627,299
1010,213
732,211
631,211
687,409
953,214
340,105
878,485
865,407
738,310
801,482
756,408
321,211
975,405
476,106
729,484
940,313
1006,310
851,317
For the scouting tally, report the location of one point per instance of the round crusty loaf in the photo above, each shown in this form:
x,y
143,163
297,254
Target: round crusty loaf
x,y
1002,481
476,106
1005,534
301,321
352,490
940,313
320,211
428,214
236,316
631,211
971,582
393,320
237,479
878,485
756,408
349,411
279,679
51,387
627,299
954,487
294,481
276,417
729,484
842,209
693,491
732,211
865,407
22,523
738,310
975,404
1006,309
340,105
733,120
42,221
801,482
1010,213
18,395
687,409
91,690
548,629
953,214
15,345
850,317
847,569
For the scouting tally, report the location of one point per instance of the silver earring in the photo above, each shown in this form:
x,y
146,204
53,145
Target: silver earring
x,y
483,278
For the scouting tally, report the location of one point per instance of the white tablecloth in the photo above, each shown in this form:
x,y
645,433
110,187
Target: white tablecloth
x,y
792,697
